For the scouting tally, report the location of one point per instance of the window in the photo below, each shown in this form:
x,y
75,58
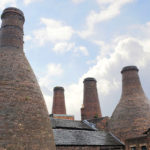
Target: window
x,y
143,148
133,148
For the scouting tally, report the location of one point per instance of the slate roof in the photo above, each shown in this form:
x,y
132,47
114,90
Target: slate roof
x,y
69,124
84,137
78,133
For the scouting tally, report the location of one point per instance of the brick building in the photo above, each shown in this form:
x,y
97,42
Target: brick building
x,y
139,143
24,120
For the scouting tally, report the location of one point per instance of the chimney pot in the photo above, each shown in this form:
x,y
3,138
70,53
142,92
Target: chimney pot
x,y
89,79
58,88
129,68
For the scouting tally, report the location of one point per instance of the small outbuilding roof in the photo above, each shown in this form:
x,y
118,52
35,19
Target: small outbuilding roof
x,y
84,137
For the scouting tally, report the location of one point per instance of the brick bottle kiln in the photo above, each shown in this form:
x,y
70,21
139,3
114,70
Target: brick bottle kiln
x,y
24,122
59,101
132,115
91,107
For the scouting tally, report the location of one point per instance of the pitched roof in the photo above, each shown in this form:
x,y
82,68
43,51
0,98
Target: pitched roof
x,y
69,124
84,137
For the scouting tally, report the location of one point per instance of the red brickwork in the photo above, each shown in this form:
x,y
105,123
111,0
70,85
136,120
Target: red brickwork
x,y
64,117
132,115
24,121
101,123
139,142
59,101
136,142
91,107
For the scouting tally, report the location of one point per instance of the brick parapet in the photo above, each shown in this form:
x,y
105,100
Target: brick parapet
x,y
66,117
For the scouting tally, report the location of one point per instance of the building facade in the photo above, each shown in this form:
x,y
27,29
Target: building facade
x,y
139,143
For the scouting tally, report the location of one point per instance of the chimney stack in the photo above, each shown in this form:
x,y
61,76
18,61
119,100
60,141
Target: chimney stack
x,y
132,115
24,119
59,101
91,107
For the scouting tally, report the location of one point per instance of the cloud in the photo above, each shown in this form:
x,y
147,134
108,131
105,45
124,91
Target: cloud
x,y
52,70
27,38
77,1
63,47
48,100
6,3
47,82
81,49
27,2
53,31
108,10
59,35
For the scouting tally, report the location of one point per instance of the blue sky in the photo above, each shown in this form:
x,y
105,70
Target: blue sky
x,y
68,40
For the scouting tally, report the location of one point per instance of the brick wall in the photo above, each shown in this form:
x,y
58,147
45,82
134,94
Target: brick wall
x,y
64,117
101,123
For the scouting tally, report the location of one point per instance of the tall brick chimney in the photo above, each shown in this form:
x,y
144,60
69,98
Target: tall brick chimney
x,y
91,107
59,101
24,119
132,115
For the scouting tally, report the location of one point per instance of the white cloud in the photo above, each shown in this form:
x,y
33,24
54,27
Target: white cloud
x,y
48,100
108,10
7,3
27,38
77,1
27,2
63,47
52,70
81,49
46,82
72,92
59,35
53,31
